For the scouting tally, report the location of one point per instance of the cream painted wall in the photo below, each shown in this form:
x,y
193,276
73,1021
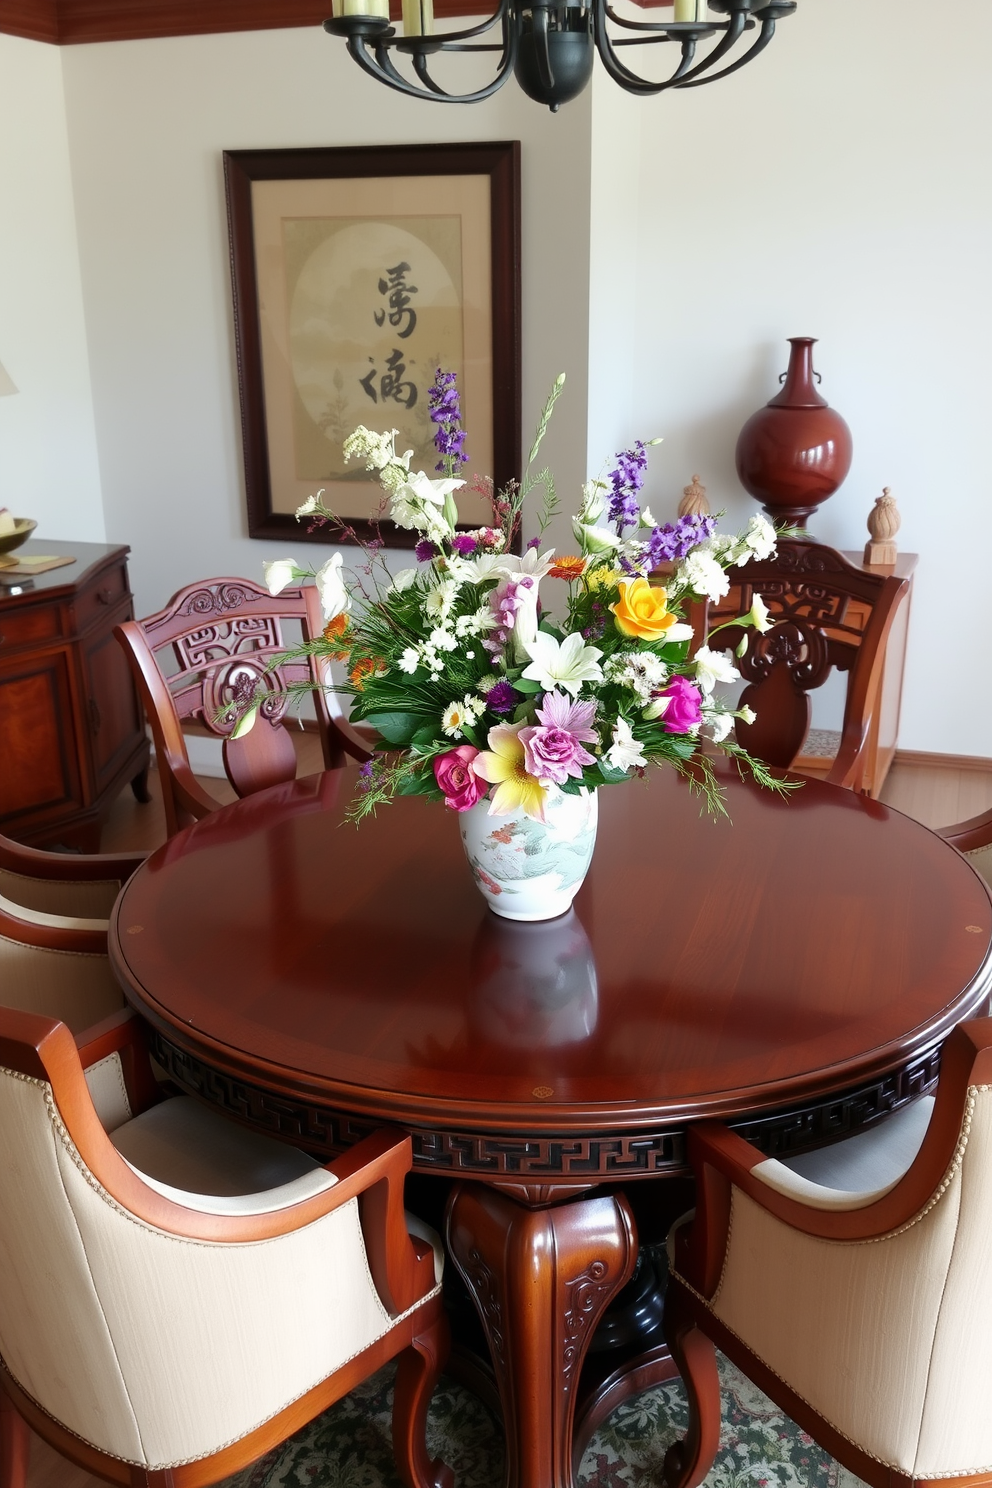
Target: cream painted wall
x,y
148,123
840,188
48,459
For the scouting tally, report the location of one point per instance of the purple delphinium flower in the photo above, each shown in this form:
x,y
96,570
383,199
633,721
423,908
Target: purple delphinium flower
x,y
625,480
365,776
444,408
424,551
676,539
502,698
554,751
464,544
534,543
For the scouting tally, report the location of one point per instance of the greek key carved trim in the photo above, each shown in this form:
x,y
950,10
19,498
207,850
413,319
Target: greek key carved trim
x,y
605,1156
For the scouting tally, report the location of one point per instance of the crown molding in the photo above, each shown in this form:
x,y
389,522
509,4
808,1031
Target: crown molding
x,y
65,22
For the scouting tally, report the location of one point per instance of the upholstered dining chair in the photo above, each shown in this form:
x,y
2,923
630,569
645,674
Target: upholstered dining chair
x,y
194,657
827,614
181,1294
63,883
852,1285
55,963
974,839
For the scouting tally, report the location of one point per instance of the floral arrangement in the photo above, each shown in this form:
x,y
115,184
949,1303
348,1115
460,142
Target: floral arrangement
x,y
502,676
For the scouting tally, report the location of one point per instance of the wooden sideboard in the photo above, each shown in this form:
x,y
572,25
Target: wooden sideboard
x,y
72,732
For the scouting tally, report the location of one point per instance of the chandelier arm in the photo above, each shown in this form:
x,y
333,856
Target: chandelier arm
x,y
420,68
736,26
762,39
539,25
383,70
623,75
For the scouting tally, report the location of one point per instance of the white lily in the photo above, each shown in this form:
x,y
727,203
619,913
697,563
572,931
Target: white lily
x,y
525,620
280,573
334,597
760,538
418,502
758,615
309,506
713,667
402,580
655,708
566,663
595,539
625,752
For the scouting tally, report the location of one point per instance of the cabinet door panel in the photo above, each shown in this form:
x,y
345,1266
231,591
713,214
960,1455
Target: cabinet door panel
x,y
112,708
37,738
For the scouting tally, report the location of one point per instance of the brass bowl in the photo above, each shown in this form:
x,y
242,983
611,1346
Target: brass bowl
x,y
20,534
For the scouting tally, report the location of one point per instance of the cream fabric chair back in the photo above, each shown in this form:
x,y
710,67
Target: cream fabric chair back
x,y
93,899
76,987
981,859
152,1346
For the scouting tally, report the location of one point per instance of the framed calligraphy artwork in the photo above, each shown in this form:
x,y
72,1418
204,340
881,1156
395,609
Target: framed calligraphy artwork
x,y
357,273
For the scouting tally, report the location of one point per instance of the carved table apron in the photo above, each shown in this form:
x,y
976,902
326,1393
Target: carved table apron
x,y
793,973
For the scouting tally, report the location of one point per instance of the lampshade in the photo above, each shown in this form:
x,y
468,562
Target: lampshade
x,y
7,384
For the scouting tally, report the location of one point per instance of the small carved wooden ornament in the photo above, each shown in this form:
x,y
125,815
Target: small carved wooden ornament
x,y
884,522
694,501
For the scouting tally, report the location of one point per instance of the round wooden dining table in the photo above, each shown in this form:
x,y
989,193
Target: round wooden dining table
x,y
792,970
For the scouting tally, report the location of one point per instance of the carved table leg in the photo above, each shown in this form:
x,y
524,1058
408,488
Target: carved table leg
x,y
541,1279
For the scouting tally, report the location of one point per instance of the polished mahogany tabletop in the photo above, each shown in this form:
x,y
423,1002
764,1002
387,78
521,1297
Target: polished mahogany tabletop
x,y
807,947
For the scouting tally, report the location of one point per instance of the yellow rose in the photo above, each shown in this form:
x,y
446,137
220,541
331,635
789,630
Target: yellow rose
x,y
642,611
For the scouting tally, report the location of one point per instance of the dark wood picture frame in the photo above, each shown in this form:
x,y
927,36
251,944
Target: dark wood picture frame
x,y
497,160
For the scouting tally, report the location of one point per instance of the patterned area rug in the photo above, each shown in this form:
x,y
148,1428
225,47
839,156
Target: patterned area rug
x,y
350,1445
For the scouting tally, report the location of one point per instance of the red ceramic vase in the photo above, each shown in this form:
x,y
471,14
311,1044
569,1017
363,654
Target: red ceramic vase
x,y
794,453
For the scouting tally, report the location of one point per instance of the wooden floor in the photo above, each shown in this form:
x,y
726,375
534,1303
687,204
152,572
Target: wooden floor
x,y
936,796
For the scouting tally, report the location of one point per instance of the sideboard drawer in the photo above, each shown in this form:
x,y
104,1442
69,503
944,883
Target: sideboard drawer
x,y
28,627
96,599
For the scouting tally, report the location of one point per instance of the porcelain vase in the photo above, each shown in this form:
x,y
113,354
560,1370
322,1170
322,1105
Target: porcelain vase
x,y
526,869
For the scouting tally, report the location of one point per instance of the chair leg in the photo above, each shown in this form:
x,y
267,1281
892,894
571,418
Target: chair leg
x,y
15,1445
687,1462
416,1377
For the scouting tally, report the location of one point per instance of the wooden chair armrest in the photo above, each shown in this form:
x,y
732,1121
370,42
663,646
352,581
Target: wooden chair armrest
x,y
189,793
722,1160
53,932
969,835
32,862
123,1033
848,767
402,1267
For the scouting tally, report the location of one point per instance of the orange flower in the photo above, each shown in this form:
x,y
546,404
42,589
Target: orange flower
x,y
369,666
569,568
337,630
642,610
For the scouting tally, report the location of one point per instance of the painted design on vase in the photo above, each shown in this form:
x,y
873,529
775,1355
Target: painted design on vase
x,y
531,870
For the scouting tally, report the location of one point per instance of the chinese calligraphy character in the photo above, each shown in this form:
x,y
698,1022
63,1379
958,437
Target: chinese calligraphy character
x,y
399,292
391,384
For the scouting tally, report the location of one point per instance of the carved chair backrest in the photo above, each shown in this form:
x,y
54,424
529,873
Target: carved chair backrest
x,y
213,640
826,613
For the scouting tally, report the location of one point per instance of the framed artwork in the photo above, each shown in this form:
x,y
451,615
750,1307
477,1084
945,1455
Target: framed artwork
x,y
357,273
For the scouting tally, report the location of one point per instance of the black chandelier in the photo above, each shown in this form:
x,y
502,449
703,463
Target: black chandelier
x,y
550,45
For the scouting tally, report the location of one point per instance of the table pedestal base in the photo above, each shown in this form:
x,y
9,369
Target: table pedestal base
x,y
540,1279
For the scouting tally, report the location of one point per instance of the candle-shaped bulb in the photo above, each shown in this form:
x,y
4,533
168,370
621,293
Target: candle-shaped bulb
x,y
418,17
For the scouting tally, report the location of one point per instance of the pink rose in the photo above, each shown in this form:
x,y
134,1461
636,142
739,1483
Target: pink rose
x,y
684,711
454,774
